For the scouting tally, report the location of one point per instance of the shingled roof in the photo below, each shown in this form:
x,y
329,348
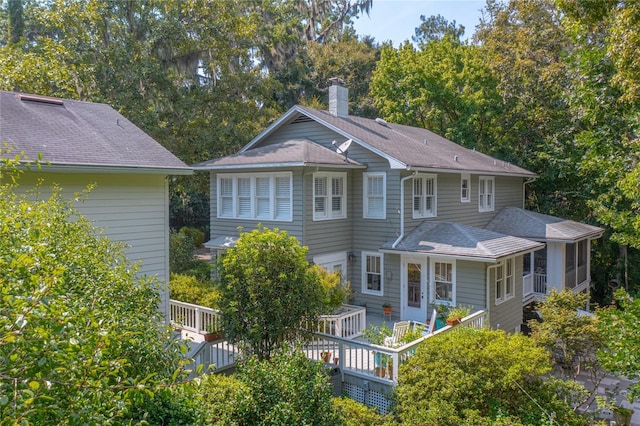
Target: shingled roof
x,y
540,227
297,152
451,239
80,135
405,147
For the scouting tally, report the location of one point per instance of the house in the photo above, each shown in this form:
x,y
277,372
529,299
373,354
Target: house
x,y
82,143
407,216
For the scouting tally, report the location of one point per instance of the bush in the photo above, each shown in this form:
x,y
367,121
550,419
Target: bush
x,y
355,414
189,289
196,235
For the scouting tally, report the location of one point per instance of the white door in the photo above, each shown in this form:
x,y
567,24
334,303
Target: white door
x,y
414,288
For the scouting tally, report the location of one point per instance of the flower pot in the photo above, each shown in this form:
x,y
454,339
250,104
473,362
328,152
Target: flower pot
x,y
386,310
453,321
380,371
211,337
326,356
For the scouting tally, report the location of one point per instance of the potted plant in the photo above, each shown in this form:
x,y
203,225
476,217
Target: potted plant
x,y
456,313
386,308
325,355
214,332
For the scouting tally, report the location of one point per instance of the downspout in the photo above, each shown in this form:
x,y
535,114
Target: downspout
x,y
397,241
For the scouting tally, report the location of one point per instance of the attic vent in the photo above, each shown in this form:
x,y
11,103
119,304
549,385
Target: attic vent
x,y
301,119
381,121
41,99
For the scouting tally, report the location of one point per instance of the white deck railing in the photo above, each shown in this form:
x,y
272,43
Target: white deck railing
x,y
195,318
540,283
373,361
349,322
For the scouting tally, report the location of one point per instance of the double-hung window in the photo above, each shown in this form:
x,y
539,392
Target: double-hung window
x,y
372,272
424,196
486,193
262,196
443,283
329,196
465,188
504,280
374,196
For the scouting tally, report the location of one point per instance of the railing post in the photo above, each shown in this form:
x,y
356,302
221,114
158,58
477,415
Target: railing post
x,y
338,322
198,320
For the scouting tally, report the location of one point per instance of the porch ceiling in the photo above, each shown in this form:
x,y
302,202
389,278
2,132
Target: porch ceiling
x,y
455,240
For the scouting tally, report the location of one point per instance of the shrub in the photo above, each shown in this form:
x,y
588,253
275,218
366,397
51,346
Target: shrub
x,y
189,289
355,414
196,235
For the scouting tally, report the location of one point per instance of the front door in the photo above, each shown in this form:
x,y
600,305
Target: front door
x,y
414,289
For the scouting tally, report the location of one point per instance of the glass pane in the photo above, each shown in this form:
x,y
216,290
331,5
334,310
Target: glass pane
x,y
374,186
226,187
283,187
414,298
262,187
244,187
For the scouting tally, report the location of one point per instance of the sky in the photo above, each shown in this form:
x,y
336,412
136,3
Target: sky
x,y
396,20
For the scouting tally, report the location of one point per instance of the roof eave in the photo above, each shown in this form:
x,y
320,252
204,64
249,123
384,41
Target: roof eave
x,y
472,171
277,165
107,168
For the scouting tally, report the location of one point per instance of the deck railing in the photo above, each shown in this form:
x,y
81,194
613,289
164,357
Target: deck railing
x,y
195,318
373,361
540,283
348,322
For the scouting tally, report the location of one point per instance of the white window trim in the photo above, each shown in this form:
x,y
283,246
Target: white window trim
x,y
465,177
423,197
330,214
365,204
484,197
504,296
432,281
364,289
272,195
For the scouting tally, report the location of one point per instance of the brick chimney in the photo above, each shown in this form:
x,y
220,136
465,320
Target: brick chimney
x,y
338,98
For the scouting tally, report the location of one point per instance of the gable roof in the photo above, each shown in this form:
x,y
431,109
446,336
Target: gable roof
x,y
540,227
81,136
450,239
405,147
295,152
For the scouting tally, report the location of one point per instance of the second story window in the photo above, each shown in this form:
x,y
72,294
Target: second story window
x,y
374,196
486,194
424,196
329,196
262,196
465,188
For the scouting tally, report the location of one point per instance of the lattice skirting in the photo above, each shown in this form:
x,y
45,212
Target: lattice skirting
x,y
370,398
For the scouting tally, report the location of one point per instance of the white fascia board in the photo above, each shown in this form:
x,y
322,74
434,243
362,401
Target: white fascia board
x,y
473,172
109,169
444,256
279,165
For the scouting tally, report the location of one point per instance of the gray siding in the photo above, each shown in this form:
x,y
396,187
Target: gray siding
x,y
130,208
507,315
471,284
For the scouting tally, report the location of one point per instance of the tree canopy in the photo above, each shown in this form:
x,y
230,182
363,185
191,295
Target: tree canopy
x,y
82,336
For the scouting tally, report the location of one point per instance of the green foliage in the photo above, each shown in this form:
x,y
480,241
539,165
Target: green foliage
x,y
479,376
376,334
268,289
187,288
175,405
196,235
182,258
569,337
82,337
288,389
619,326
335,292
356,414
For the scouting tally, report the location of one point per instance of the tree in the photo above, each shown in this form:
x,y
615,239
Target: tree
x,y
436,27
479,377
268,289
82,336
619,326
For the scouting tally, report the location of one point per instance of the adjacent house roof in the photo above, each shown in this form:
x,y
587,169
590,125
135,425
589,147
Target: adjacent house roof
x,y
297,152
540,227
451,239
405,147
80,135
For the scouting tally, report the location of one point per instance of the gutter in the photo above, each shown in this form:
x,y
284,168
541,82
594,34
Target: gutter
x,y
524,190
401,236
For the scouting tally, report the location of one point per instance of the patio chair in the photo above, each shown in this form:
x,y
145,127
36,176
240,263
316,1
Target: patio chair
x,y
399,330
